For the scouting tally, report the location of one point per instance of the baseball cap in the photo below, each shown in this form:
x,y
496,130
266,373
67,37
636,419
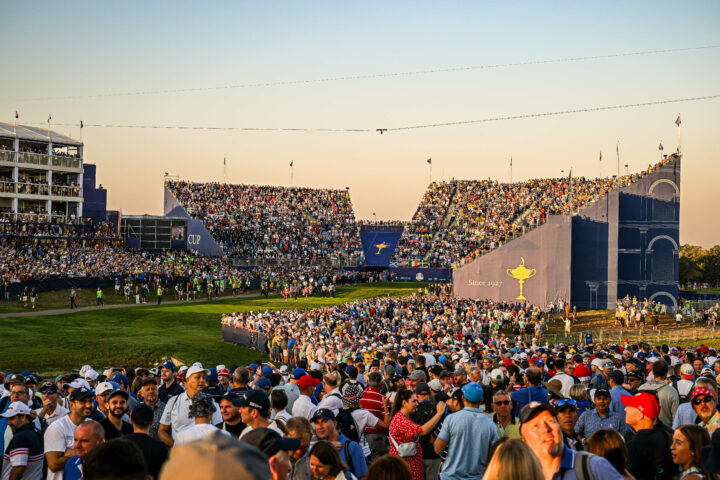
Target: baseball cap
x,y
81,394
459,370
142,414
121,379
234,398
223,372
444,374
473,392
603,391
533,409
496,375
263,382
119,391
435,385
196,368
298,373
256,399
103,388
270,442
216,457
645,402
307,381
16,408
422,388
608,364
77,383
15,379
635,374
418,375
700,391
169,365
48,387
267,371
325,413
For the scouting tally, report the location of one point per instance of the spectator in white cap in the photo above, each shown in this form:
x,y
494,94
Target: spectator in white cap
x,y
24,455
59,437
176,416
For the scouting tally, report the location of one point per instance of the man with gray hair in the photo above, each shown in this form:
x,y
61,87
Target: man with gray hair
x,y
201,410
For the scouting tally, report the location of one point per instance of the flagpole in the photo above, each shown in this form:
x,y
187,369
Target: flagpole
x,y
224,170
617,150
511,170
291,172
600,161
661,150
678,123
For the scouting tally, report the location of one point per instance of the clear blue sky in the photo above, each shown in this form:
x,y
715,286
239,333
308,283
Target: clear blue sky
x,y
55,49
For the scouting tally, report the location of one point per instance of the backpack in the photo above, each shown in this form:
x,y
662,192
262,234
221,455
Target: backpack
x,y
683,398
346,424
582,466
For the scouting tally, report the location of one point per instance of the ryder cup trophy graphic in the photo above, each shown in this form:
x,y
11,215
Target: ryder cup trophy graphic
x,y
521,273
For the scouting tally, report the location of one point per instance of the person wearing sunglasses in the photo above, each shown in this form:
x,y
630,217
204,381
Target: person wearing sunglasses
x,y
50,410
704,403
507,424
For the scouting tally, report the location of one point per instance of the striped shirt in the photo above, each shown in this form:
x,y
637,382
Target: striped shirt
x,y
372,401
25,450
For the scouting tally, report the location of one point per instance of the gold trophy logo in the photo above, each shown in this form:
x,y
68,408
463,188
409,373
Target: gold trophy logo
x,y
521,273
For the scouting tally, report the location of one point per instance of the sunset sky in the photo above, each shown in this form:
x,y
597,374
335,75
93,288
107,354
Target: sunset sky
x,y
78,60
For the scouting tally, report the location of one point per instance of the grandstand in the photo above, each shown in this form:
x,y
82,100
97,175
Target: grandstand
x,y
590,242
264,224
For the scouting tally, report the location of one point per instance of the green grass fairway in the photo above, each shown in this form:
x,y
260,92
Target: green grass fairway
x,y
145,335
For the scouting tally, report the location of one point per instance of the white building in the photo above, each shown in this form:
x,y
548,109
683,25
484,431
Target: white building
x,y
41,175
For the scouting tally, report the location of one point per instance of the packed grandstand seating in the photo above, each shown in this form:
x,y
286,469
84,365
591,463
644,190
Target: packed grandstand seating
x,y
459,220
263,223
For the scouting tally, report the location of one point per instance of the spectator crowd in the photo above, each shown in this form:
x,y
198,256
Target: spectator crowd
x,y
264,223
422,387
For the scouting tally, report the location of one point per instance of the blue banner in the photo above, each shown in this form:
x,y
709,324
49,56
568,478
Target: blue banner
x,y
432,275
379,246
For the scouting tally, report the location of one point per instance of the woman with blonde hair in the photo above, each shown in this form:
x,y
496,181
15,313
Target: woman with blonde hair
x,y
610,444
686,451
513,460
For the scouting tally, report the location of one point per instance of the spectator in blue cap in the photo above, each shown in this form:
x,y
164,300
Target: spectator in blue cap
x,y
468,435
169,386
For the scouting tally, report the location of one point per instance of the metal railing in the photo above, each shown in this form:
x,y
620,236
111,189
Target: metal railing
x,y
40,159
27,188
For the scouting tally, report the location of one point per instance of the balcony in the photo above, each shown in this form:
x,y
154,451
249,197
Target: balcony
x,y
50,162
42,189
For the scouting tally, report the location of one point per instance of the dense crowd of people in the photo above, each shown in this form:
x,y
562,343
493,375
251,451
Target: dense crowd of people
x,y
264,223
412,388
459,220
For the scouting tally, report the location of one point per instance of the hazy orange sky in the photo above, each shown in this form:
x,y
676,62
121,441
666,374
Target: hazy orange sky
x,y
84,49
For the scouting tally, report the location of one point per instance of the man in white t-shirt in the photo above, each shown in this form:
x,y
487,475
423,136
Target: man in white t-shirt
x,y
59,436
176,416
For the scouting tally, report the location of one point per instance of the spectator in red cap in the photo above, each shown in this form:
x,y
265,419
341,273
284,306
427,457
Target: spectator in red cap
x,y
647,442
304,406
704,403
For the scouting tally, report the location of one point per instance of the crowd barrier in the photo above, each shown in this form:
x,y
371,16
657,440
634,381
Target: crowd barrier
x,y
245,338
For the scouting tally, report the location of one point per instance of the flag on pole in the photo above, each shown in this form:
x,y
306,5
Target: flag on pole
x,y
429,161
224,162
660,147
678,122
49,117
16,115
291,162
601,155
81,124
511,161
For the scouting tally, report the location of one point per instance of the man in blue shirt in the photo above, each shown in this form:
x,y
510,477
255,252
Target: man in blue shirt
x,y
87,436
615,381
533,393
539,428
468,435
326,429
600,417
